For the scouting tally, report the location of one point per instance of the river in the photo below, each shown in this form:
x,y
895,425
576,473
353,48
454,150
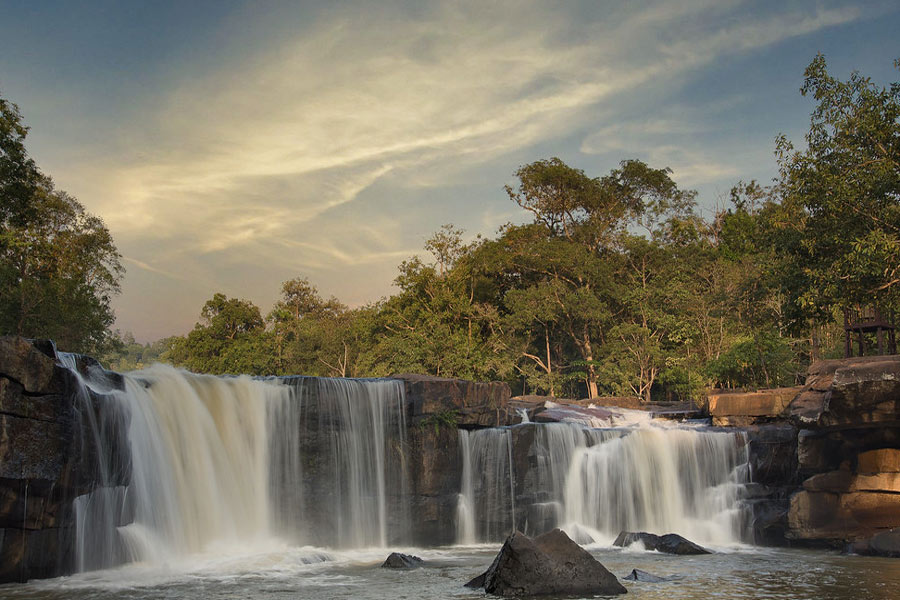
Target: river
x,y
275,573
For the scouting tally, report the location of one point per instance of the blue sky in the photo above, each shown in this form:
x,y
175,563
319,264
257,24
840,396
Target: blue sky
x,y
230,146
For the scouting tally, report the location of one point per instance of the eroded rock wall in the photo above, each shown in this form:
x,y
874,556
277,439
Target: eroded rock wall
x,y
848,451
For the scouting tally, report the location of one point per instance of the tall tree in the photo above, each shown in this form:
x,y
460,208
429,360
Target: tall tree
x,y
59,267
840,216
231,338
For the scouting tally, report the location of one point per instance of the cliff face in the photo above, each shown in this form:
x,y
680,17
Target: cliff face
x,y
824,456
39,464
848,451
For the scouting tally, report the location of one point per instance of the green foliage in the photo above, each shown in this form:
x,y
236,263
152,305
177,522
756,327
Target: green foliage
x,y
231,339
447,418
59,267
761,360
840,217
125,354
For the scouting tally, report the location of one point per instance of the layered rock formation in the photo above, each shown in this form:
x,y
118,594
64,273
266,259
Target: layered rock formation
x,y
848,451
45,460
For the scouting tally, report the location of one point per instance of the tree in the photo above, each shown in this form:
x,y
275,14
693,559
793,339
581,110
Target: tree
x,y
310,332
839,221
59,267
570,255
230,339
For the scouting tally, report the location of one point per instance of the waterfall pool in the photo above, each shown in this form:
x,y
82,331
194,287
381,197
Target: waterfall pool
x,y
309,573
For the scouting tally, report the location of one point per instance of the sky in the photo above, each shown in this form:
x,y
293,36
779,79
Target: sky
x,y
231,146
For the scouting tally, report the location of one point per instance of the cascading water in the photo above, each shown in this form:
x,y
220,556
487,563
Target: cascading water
x,y
338,476
220,463
661,480
486,508
191,464
199,462
595,483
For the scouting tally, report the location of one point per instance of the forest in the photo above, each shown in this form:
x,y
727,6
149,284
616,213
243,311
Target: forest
x,y
614,285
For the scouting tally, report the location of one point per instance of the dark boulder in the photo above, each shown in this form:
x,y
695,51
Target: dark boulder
x,y
885,543
645,577
548,564
396,560
671,543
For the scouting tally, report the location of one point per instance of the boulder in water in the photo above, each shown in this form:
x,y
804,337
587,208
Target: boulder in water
x,y
884,543
548,564
396,560
645,577
671,543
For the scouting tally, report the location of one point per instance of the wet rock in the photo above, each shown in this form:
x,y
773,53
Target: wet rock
x,y
645,577
885,543
670,543
396,560
548,564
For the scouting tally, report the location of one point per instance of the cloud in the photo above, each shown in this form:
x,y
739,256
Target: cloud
x,y
307,154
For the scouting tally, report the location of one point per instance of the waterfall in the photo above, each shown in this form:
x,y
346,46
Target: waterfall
x,y
595,482
487,506
222,463
661,480
338,471
465,509
176,464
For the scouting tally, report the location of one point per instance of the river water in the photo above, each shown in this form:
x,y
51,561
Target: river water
x,y
275,573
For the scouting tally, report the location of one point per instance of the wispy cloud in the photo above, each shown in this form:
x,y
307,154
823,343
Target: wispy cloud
x,y
292,156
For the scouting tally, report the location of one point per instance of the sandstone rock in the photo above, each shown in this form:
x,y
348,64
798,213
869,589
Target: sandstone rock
x,y
820,383
768,520
397,560
548,564
833,481
14,401
884,460
836,517
879,482
32,449
773,454
811,455
864,391
670,543
812,515
466,402
765,403
808,406
734,421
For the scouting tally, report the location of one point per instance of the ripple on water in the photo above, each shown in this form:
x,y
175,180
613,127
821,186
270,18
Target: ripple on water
x,y
318,574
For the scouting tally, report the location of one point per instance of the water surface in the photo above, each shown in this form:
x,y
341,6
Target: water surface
x,y
310,573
